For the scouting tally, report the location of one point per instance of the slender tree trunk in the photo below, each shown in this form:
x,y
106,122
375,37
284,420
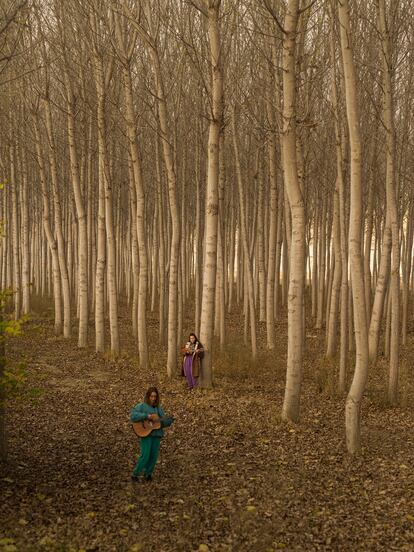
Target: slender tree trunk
x,y
380,292
57,290
260,242
134,250
279,242
140,219
270,284
315,246
248,268
322,268
197,247
367,251
67,319
3,434
175,237
15,236
232,236
209,271
26,281
161,230
101,85
83,246
388,121
100,266
220,246
354,399
343,354
291,403
271,254
336,284
407,269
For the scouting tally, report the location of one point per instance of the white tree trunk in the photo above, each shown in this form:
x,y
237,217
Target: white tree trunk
x,y
271,254
26,281
101,84
140,220
83,246
388,122
243,229
57,289
211,219
354,399
291,403
67,318
17,292
336,284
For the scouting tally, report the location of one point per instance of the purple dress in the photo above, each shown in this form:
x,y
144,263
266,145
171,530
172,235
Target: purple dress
x,y
188,367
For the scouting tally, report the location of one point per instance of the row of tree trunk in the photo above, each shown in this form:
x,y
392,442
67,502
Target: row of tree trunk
x,y
183,160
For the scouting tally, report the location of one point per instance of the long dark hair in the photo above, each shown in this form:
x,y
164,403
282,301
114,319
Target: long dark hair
x,y
192,334
148,394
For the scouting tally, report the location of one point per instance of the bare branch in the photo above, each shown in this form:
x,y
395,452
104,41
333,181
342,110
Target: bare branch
x,y
273,14
12,16
306,7
197,6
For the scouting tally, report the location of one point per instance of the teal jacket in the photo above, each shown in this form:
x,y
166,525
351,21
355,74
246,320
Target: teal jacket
x,y
140,412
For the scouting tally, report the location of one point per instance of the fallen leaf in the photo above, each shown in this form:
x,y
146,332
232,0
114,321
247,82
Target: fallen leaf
x,y
23,521
8,480
46,541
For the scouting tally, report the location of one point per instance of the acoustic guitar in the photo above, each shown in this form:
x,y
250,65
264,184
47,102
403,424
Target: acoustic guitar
x,y
144,427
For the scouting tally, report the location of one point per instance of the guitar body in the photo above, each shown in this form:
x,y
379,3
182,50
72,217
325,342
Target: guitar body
x,y
144,428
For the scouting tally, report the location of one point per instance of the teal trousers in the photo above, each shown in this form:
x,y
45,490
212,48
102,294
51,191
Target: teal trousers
x,y
150,448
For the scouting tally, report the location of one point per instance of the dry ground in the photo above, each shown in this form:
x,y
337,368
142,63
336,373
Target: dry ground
x,y
231,476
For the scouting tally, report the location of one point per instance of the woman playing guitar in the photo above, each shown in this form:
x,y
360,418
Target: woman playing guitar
x,y
148,420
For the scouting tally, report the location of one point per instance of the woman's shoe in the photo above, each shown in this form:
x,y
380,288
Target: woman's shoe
x,y
148,478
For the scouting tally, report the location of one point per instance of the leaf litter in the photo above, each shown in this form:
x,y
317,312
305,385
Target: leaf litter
x,y
231,476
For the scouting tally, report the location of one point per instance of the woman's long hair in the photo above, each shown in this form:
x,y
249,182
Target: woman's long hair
x,y
148,394
196,339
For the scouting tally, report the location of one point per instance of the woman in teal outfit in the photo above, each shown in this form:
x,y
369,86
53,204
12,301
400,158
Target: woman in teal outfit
x,y
150,409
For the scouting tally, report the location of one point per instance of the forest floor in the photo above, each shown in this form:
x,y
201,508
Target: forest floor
x,y
231,475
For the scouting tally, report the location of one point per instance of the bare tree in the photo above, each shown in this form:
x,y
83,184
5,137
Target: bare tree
x,y
353,402
296,328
